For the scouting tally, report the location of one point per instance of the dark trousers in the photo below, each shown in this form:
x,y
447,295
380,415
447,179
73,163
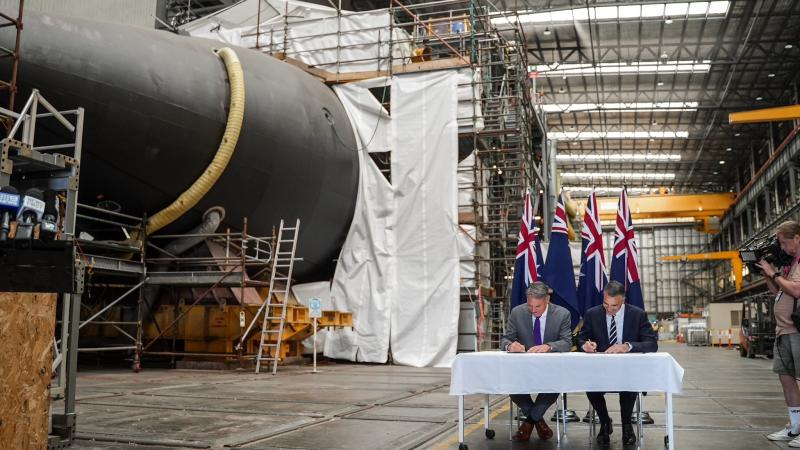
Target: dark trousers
x,y
534,411
627,400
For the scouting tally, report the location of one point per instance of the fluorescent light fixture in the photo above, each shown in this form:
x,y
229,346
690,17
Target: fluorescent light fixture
x,y
617,157
636,106
631,190
619,175
622,68
624,12
588,135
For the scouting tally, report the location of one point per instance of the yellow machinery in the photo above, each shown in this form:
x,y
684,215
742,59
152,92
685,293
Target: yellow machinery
x,y
733,256
776,114
705,208
216,329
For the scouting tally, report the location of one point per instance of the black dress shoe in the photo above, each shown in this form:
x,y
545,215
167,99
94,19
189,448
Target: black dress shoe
x,y
603,435
628,436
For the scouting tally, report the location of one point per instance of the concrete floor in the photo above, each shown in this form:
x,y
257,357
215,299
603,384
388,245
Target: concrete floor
x,y
728,402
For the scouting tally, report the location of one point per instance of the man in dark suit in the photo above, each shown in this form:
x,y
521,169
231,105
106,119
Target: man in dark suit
x,y
536,327
615,327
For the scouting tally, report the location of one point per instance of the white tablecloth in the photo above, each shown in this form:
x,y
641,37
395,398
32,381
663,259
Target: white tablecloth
x,y
523,373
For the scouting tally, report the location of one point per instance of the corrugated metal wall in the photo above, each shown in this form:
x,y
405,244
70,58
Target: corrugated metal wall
x,y
129,12
662,288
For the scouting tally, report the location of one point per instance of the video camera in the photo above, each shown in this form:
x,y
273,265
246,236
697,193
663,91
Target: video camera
x,y
767,248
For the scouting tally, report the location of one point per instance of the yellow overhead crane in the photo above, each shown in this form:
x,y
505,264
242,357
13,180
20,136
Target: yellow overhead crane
x,y
733,256
776,114
705,207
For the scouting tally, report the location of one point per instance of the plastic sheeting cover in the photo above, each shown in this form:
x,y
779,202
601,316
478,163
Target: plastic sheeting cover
x,y
426,301
314,34
399,267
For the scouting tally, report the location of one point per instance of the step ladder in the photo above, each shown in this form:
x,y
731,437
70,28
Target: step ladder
x,y
282,265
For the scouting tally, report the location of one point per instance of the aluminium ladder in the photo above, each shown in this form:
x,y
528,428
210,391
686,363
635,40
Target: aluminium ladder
x,y
283,262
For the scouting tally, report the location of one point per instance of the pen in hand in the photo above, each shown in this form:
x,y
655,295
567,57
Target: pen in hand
x,y
589,346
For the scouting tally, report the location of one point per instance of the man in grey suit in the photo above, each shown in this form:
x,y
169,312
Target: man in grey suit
x,y
536,327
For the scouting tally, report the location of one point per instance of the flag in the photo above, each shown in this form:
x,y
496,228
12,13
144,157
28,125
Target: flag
x,y
558,272
529,256
625,258
592,278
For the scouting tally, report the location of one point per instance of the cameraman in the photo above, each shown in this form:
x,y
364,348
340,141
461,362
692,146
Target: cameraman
x,y
785,283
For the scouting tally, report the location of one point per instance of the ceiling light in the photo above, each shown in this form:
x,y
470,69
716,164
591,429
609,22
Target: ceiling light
x,y
622,68
547,31
561,90
660,83
620,175
738,134
716,173
668,21
728,149
655,123
588,135
787,46
623,12
638,106
722,161
616,189
771,75
664,55
758,99
621,157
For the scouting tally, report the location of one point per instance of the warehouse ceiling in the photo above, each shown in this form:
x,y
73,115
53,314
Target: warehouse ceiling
x,y
639,92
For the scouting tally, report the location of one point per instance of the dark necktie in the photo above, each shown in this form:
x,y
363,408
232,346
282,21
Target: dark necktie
x,y
537,333
612,335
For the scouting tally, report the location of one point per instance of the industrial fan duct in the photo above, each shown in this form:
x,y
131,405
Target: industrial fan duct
x,y
156,111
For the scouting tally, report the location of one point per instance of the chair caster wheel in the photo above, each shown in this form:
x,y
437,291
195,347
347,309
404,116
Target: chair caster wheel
x,y
666,441
489,434
462,446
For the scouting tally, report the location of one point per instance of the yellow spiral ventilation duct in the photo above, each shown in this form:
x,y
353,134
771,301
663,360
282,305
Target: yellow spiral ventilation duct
x,y
190,197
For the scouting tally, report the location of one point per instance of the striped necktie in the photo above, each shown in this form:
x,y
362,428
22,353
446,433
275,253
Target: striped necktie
x,y
612,334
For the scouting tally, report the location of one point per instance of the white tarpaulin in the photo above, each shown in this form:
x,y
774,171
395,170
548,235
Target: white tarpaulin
x,y
426,297
314,34
365,270
470,91
370,118
399,267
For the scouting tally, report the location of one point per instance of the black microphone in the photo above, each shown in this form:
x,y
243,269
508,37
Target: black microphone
x,y
30,213
9,205
48,227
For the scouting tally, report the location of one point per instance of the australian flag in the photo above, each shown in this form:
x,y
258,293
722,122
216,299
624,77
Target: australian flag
x,y
529,256
592,279
558,272
625,258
